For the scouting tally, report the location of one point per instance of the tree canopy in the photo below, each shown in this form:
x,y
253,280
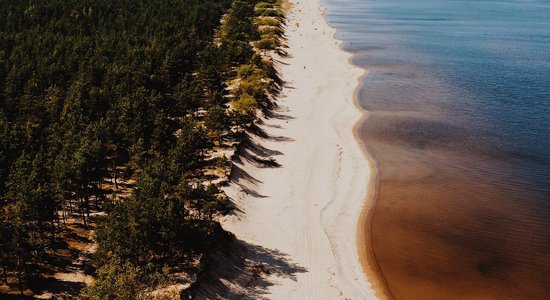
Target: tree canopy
x,y
97,93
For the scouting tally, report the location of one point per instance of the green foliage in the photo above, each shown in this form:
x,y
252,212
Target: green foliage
x,y
263,5
238,24
268,43
8,145
208,200
146,227
235,53
91,87
250,72
266,21
118,280
271,30
30,195
189,148
217,121
28,213
254,87
268,12
241,120
245,104
246,71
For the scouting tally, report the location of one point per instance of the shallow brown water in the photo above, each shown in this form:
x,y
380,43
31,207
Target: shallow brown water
x,y
443,228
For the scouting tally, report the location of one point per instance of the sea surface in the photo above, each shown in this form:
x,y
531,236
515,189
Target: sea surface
x,y
458,101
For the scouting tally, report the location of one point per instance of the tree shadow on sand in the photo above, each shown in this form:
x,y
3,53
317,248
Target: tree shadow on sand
x,y
240,270
254,152
240,177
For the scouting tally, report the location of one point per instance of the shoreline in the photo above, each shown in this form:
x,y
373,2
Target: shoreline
x,y
299,214
367,257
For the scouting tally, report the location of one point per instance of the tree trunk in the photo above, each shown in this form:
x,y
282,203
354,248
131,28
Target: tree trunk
x,y
65,218
19,275
42,244
5,273
52,233
87,206
82,212
70,205
114,175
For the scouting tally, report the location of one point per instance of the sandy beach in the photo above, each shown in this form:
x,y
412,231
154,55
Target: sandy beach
x,y
308,209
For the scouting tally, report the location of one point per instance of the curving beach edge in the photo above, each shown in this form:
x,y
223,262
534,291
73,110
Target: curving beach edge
x,y
303,220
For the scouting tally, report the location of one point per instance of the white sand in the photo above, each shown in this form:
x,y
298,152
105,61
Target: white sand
x,y
304,215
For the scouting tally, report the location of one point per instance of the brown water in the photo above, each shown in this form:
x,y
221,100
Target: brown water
x,y
458,101
439,233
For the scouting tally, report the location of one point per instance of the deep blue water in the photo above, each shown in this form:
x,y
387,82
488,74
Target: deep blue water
x,y
458,94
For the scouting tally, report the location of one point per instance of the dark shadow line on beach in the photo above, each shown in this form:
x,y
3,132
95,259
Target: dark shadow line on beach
x,y
238,174
246,267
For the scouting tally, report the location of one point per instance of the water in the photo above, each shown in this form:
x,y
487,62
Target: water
x,y
458,94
